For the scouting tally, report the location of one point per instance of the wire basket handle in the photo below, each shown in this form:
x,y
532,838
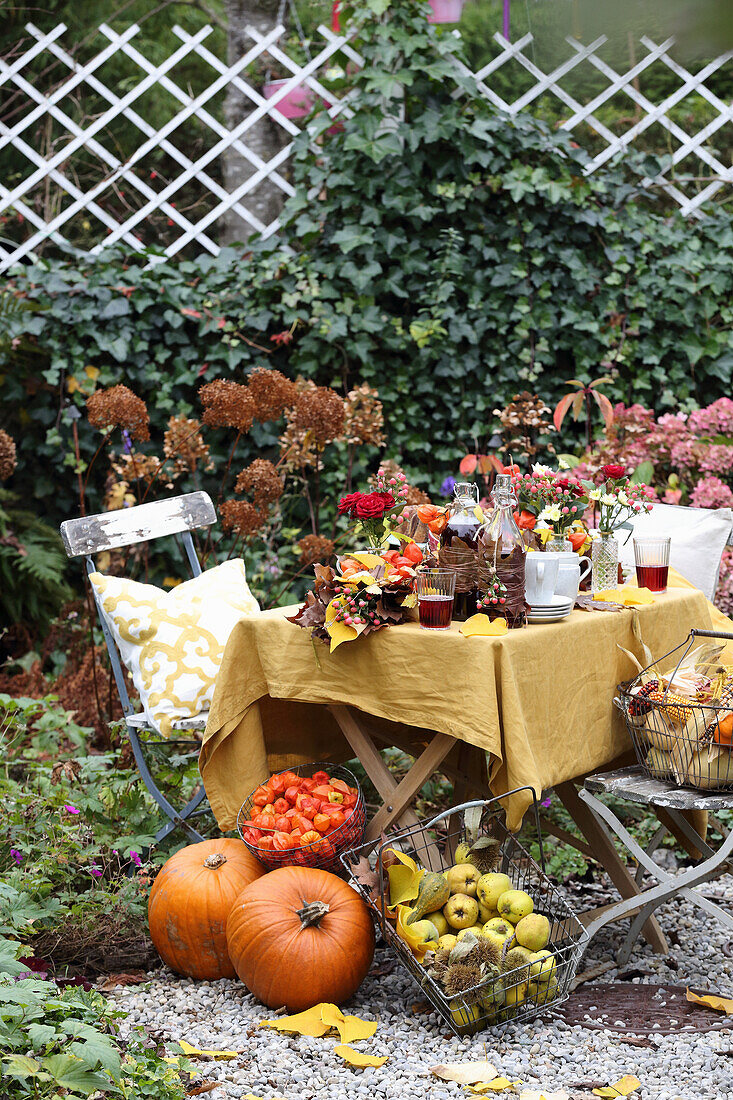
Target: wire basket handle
x,y
687,646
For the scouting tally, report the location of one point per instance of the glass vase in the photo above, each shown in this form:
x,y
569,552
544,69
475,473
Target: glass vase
x,y
604,556
558,544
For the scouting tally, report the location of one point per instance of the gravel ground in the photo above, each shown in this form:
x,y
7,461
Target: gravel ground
x,y
544,1053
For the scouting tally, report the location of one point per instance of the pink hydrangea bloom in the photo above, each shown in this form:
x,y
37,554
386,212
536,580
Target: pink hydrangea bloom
x,y
724,594
711,492
716,419
717,458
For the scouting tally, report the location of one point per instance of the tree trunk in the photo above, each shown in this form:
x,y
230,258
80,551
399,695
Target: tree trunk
x,y
265,138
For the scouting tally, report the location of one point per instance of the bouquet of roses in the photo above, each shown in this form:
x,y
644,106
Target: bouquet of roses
x,y
373,510
617,500
548,499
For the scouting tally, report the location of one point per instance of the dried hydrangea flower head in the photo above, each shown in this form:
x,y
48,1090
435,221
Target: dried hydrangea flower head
x,y
321,412
315,548
119,407
7,455
261,480
241,517
139,467
272,393
299,446
364,417
524,419
227,405
184,445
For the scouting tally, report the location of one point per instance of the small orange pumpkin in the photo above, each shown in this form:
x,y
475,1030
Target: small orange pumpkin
x,y
190,901
300,936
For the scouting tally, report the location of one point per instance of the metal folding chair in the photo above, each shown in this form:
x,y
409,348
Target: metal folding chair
x,y
90,535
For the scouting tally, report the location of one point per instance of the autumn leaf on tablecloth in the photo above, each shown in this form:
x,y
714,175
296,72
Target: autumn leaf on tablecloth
x,y
499,1084
404,879
629,597
194,1052
584,601
624,1087
465,1073
350,1028
482,626
302,1023
356,1058
711,1000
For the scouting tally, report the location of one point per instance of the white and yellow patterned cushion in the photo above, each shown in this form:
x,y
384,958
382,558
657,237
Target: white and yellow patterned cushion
x,y
172,642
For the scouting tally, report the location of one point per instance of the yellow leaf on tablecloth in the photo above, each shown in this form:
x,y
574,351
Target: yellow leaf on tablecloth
x,y
302,1023
628,596
404,880
194,1052
481,625
711,1000
351,1029
624,1087
465,1073
356,1058
408,935
499,1084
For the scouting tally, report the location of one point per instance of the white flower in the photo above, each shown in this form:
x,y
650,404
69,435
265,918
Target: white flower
x,y
594,494
609,500
541,471
552,513
563,464
622,498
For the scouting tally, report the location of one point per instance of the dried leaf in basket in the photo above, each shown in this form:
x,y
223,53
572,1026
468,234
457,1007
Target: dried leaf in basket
x,y
404,879
624,1087
413,939
366,877
465,1073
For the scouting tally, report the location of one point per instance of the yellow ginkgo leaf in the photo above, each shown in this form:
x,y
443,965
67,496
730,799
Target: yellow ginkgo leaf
x,y
499,1084
624,1087
711,1000
369,561
356,1058
302,1023
629,597
404,879
194,1052
408,935
350,1028
481,625
339,631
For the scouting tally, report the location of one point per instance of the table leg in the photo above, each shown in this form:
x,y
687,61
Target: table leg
x,y
605,852
396,797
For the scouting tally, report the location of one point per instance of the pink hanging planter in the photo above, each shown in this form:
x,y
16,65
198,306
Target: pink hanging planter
x,y
445,11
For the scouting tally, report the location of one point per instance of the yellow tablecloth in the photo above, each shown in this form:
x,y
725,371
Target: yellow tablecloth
x,y
538,700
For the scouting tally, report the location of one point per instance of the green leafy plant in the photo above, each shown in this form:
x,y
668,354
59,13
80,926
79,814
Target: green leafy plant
x,y
32,566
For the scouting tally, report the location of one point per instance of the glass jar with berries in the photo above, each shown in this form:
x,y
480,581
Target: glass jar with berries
x,y
458,547
501,559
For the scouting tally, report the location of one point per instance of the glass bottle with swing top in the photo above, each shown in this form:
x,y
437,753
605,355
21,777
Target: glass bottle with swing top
x,y
458,545
501,559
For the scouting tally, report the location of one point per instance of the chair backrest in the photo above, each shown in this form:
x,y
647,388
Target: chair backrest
x,y
90,535
699,537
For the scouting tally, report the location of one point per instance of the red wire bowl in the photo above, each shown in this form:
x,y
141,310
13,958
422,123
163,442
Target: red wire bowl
x,y
322,853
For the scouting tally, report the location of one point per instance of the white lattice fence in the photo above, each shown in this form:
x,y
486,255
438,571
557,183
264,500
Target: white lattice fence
x,y
51,200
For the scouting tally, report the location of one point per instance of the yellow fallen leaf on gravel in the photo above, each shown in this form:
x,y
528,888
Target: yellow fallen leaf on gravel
x,y
404,879
624,1087
193,1052
480,625
303,1023
356,1058
710,1000
465,1073
499,1084
351,1029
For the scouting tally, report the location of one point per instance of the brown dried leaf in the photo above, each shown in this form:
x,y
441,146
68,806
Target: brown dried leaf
x,y
584,602
124,977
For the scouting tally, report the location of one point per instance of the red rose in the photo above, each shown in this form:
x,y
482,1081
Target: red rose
x,y
613,472
348,503
373,505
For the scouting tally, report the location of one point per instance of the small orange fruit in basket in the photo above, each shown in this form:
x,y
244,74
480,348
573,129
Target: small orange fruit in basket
x,y
723,730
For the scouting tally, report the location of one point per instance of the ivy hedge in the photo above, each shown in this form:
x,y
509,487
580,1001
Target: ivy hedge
x,y
434,248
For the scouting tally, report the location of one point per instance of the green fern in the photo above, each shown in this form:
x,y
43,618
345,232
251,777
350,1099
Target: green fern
x,y
32,567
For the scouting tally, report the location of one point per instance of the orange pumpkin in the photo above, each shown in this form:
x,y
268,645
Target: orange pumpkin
x,y
190,901
300,936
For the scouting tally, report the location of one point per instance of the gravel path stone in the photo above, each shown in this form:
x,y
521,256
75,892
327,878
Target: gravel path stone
x,y
543,1053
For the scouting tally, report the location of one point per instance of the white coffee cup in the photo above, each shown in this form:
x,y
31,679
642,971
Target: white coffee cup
x,y
540,577
571,570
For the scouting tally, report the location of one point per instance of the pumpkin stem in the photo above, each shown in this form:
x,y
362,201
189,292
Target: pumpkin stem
x,y
217,860
313,913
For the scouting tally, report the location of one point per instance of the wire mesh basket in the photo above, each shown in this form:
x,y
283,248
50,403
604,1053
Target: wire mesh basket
x,y
324,853
499,999
684,738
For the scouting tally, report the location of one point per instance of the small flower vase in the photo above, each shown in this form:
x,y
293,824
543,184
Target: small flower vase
x,y
604,555
558,544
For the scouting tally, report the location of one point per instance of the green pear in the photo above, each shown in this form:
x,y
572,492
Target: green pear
x,y
490,888
533,931
514,904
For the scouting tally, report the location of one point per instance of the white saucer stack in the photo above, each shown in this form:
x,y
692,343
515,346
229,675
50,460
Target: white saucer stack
x,y
552,612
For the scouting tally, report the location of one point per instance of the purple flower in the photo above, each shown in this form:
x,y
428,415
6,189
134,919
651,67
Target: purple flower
x,y
95,871
546,802
136,859
446,489
71,810
127,441
17,856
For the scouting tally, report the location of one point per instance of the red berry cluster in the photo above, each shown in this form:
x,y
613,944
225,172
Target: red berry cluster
x,y
493,598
